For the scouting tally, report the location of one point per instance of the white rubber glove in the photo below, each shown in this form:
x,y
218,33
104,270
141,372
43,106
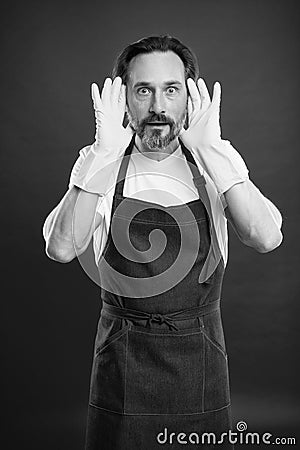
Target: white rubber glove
x,y
220,160
93,169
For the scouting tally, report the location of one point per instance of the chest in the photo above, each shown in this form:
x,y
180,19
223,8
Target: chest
x,y
167,184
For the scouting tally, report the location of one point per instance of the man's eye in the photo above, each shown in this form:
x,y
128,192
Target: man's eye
x,y
143,91
172,90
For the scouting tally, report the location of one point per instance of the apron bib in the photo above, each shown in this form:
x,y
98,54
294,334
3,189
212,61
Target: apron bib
x,y
160,361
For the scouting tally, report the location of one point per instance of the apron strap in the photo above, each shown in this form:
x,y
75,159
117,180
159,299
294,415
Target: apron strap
x,y
119,187
214,256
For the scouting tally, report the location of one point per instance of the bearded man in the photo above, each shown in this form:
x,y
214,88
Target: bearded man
x,y
155,191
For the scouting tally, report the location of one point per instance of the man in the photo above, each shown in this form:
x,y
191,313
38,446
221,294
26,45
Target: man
x,y
156,195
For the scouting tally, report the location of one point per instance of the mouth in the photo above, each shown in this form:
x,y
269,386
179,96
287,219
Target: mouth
x,y
159,124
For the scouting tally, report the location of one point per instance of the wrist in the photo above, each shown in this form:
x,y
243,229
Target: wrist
x,y
94,174
223,163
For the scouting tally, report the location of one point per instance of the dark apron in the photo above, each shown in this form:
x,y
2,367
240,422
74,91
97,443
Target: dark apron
x,y
160,362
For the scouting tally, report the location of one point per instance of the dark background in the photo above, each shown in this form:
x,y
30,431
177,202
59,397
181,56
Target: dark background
x,y
51,52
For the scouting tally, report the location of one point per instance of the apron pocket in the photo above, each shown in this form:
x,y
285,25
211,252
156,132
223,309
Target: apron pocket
x,y
108,372
164,372
215,344
216,386
109,340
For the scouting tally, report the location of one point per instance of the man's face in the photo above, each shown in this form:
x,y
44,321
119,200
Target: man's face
x,y
156,98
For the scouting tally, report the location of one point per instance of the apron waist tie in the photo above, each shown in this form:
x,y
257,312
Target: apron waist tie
x,y
169,319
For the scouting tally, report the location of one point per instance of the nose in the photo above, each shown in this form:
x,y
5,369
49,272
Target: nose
x,y
158,105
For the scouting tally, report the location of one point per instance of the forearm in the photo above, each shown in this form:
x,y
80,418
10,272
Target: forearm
x,y
69,227
255,218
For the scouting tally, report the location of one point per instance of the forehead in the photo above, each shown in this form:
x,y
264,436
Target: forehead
x,y
156,67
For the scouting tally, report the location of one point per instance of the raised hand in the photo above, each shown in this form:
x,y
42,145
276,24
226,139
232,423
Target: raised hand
x,y
218,157
109,111
204,115
97,162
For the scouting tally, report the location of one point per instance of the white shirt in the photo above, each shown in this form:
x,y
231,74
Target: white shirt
x,y
166,182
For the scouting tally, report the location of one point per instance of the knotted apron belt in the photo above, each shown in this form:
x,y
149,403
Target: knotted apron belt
x,y
169,319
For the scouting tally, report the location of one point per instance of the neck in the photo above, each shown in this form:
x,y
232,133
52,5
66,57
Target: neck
x,y
156,154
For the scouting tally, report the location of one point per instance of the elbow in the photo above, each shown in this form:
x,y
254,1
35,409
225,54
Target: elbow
x,y
59,253
267,244
271,244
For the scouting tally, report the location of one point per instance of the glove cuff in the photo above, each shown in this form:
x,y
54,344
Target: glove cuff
x,y
93,173
224,165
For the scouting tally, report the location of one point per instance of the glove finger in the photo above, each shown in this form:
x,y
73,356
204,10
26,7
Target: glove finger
x,y
190,110
115,91
216,100
194,94
194,116
122,99
106,92
96,97
205,97
118,109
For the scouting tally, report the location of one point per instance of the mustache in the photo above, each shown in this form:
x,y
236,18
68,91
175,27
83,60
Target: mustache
x,y
157,118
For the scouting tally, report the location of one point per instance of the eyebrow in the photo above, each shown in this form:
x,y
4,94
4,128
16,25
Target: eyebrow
x,y
166,83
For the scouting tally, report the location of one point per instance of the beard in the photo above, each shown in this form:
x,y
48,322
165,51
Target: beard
x,y
153,139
